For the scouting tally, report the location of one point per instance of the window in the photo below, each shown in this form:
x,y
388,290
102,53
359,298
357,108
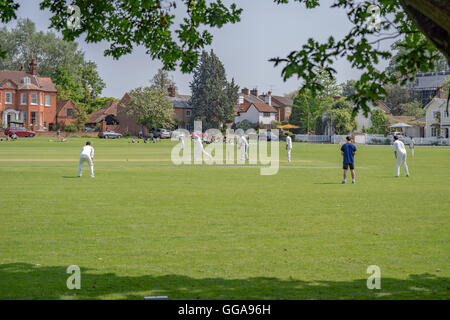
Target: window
x,y
34,98
47,100
266,114
40,99
41,119
33,117
69,113
433,131
188,127
288,109
188,113
23,98
23,116
8,98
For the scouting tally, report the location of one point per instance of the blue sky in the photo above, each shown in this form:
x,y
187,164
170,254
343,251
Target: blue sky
x,y
266,30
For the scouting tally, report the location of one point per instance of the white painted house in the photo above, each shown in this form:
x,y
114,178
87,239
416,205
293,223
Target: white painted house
x,y
250,107
366,122
437,118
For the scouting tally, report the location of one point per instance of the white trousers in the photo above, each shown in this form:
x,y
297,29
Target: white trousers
x,y
412,152
182,145
199,149
401,160
85,158
244,152
288,152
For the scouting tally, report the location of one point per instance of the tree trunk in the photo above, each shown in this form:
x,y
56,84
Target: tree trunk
x,y
432,17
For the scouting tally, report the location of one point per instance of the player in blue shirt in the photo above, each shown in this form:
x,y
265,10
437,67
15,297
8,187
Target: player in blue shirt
x,y
348,151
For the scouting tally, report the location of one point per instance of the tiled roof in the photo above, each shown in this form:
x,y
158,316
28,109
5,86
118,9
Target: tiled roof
x,y
181,101
260,106
60,104
36,83
437,101
428,81
283,100
404,118
109,109
383,106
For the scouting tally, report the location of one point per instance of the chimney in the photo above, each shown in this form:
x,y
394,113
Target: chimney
x,y
254,92
245,91
22,67
268,98
441,93
33,66
172,91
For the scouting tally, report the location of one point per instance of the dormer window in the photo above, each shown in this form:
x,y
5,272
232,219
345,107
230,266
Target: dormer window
x,y
26,80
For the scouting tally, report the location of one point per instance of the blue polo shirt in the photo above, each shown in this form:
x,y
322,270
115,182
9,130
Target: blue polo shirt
x,y
348,149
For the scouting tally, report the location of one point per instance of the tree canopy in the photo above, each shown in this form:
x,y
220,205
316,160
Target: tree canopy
x,y
213,97
422,26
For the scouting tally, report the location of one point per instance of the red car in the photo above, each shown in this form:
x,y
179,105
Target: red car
x,y
20,132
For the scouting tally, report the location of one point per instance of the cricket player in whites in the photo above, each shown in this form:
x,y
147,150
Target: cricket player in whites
x,y
243,145
87,154
198,147
288,146
400,155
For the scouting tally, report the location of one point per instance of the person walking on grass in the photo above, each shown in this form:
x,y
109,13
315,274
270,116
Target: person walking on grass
x,y
86,155
348,151
288,146
411,147
400,155
243,145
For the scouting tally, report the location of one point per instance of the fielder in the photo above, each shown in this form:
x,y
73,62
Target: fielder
x,y
411,147
243,145
400,155
288,147
87,154
181,141
199,147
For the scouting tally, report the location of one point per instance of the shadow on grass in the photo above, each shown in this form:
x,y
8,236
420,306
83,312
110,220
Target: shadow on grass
x,y
70,177
26,281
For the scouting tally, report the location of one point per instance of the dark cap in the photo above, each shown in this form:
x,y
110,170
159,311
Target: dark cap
x,y
88,143
349,138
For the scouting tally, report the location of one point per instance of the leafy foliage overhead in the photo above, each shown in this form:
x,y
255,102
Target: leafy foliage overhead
x,y
125,24
398,20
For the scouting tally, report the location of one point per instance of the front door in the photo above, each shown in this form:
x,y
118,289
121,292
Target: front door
x,y
8,117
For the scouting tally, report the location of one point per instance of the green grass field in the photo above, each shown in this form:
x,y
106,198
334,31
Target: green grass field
x,y
221,233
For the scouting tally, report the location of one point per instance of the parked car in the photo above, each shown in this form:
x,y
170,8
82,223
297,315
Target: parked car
x,y
165,134
20,132
109,135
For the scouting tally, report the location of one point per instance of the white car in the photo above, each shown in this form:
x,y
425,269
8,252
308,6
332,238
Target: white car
x,y
165,134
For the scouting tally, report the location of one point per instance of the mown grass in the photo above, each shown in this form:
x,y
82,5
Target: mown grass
x,y
221,233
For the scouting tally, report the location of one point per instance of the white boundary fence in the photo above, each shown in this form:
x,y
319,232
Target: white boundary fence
x,y
376,139
312,138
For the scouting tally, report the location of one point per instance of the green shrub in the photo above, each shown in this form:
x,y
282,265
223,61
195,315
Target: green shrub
x,y
72,127
387,141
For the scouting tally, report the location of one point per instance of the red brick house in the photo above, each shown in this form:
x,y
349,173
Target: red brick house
x,y
66,111
27,98
108,114
182,109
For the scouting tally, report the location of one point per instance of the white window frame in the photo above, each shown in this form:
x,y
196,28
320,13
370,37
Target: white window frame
x,y
35,117
31,99
10,95
22,96
433,131
49,100
188,113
